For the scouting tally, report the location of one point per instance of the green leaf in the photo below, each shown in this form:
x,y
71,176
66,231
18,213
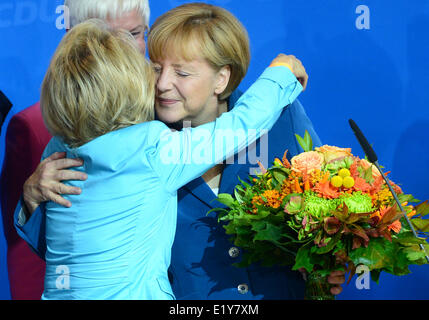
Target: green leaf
x,y
294,205
269,233
279,174
306,143
303,259
226,199
421,224
406,198
368,175
331,244
375,275
379,254
245,184
423,208
414,253
239,195
407,238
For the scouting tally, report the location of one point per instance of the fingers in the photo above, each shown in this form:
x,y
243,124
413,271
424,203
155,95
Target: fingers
x,y
60,164
61,188
62,175
300,73
51,169
296,65
336,290
45,183
59,161
303,80
58,199
337,278
56,156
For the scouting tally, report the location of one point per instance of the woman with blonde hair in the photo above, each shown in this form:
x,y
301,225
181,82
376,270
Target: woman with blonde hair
x,y
97,101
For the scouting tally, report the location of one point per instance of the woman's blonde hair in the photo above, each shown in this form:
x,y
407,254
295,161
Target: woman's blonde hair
x,y
201,30
97,82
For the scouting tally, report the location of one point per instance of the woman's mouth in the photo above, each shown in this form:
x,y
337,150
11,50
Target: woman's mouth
x,y
166,101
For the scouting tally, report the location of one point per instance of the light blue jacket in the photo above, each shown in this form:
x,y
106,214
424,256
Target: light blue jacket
x,y
115,241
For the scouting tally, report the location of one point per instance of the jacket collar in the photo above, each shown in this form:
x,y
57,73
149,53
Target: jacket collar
x,y
229,180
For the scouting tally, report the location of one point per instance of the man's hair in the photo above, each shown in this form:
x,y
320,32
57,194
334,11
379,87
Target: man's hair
x,y
97,82
202,30
82,10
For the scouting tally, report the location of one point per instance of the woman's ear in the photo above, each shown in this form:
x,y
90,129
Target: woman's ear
x,y
222,79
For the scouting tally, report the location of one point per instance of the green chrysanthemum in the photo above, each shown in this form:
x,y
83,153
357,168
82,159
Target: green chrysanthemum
x,y
357,202
319,207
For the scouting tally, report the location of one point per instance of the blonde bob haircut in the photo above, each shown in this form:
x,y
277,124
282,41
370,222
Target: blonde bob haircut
x,y
201,30
97,82
82,10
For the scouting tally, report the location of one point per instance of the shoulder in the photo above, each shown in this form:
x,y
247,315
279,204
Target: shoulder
x,y
30,114
28,124
147,132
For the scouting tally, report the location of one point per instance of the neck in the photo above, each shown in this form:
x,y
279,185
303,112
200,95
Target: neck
x,y
212,176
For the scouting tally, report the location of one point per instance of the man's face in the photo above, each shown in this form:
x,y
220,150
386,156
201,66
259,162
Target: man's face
x,y
133,22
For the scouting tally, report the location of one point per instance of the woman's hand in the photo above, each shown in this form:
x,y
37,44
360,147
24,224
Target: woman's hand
x,y
45,183
335,278
296,65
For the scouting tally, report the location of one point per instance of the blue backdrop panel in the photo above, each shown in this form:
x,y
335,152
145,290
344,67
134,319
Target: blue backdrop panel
x,y
366,60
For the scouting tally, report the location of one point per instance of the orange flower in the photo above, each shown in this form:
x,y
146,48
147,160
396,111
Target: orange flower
x,y
326,190
333,153
273,199
307,162
395,226
361,185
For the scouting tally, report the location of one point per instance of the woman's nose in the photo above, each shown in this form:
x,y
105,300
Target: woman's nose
x,y
164,81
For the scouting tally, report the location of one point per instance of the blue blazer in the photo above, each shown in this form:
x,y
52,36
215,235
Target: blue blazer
x,y
202,255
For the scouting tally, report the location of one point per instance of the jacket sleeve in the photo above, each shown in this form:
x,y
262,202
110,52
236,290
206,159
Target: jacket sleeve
x,y
26,137
33,230
181,156
301,123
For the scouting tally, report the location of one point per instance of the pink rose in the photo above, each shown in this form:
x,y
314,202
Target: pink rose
x,y
334,153
307,162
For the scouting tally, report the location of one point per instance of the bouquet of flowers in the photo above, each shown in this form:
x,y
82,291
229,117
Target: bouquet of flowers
x,y
325,210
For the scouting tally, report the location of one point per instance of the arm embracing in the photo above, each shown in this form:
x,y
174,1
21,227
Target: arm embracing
x,y
182,156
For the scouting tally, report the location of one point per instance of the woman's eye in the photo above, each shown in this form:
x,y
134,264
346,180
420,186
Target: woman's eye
x,y
182,74
135,34
157,69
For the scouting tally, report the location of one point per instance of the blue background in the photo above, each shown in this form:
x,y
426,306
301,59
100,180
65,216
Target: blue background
x,y
377,76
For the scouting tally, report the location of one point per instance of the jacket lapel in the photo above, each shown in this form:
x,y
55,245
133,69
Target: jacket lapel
x,y
202,191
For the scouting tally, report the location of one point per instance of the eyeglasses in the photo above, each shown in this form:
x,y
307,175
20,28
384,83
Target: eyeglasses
x,y
137,32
